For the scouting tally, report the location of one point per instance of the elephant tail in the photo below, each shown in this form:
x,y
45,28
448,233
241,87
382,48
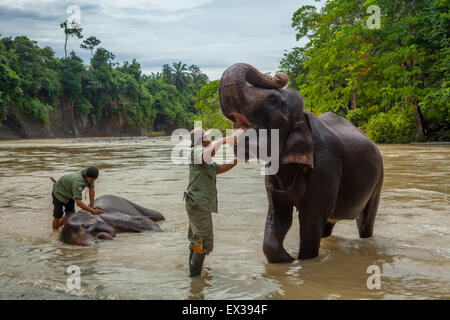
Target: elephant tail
x,y
53,179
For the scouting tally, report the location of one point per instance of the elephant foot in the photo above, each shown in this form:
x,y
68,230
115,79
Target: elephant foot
x,y
284,259
279,255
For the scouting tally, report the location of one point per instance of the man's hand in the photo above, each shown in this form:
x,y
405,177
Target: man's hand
x,y
93,210
211,150
96,210
231,140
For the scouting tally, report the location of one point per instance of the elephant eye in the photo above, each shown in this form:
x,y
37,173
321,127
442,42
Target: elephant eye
x,y
86,226
273,99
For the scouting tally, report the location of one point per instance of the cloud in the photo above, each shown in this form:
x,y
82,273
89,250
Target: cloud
x,y
212,34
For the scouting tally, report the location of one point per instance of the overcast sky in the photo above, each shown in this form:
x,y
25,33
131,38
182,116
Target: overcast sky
x,y
212,34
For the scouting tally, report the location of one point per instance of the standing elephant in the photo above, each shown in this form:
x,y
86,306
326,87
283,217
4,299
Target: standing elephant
x,y
329,169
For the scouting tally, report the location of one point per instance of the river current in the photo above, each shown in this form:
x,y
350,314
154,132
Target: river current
x,y
410,246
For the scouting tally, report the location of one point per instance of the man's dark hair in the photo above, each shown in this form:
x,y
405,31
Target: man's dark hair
x,y
91,172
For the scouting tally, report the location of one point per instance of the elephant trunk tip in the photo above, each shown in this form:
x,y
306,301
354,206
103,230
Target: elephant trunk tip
x,y
282,79
104,236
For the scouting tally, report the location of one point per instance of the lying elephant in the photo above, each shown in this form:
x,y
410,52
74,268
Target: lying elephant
x,y
329,169
120,215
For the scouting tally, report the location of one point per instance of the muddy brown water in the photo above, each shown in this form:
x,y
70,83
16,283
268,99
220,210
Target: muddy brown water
x,y
410,246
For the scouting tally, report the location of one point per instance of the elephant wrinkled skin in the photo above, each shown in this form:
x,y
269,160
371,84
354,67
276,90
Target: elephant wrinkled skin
x,y
329,169
119,215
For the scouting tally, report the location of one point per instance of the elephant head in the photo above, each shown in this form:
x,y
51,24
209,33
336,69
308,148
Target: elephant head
x,y
255,100
84,228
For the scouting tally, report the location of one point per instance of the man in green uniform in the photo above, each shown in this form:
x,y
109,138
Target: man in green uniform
x,y
201,196
67,191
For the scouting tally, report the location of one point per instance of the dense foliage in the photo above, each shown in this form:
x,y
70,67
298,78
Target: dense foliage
x,y
393,82
208,107
36,82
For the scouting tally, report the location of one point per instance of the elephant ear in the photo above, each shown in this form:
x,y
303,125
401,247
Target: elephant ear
x,y
299,145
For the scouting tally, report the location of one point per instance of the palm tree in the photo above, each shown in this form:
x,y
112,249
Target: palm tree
x,y
167,73
180,74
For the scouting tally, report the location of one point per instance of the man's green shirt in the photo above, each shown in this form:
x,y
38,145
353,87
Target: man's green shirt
x,y
70,186
202,181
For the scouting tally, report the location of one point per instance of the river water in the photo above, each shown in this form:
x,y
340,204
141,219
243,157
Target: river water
x,y
410,246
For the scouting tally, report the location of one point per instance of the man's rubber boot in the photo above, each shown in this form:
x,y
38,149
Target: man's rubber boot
x,y
191,252
196,264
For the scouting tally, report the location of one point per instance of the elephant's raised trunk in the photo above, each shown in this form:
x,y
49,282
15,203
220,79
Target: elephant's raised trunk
x,y
237,98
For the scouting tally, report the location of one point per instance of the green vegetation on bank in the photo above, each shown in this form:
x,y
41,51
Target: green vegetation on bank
x,y
208,107
36,82
392,82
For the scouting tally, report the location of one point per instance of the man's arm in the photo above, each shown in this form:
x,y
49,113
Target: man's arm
x,y
91,197
87,208
227,166
209,153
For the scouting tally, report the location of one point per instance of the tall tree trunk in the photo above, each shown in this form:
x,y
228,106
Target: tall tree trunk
x,y
418,118
420,122
65,47
354,106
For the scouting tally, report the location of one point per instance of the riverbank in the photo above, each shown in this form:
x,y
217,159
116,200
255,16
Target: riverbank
x,y
63,123
437,143
87,139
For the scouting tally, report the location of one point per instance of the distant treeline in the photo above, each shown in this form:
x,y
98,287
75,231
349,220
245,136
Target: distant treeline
x,y
393,81
36,82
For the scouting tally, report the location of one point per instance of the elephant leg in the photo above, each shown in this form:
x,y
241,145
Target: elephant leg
x,y
366,220
311,231
278,222
328,229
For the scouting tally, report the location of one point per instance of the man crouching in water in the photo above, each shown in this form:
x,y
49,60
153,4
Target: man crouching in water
x,y
67,191
201,196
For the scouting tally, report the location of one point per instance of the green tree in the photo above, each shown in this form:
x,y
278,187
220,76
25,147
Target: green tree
x,y
180,75
292,64
35,83
71,72
197,77
208,107
371,76
167,73
70,31
90,44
